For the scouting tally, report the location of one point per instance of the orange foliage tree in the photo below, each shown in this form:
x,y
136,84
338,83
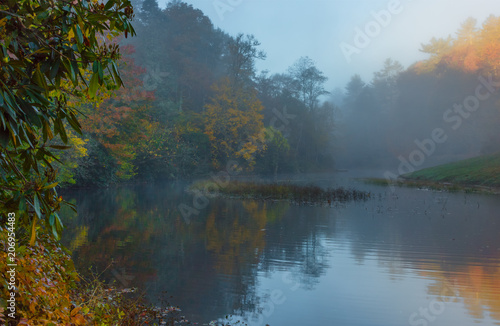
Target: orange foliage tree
x,y
489,49
122,123
473,50
233,124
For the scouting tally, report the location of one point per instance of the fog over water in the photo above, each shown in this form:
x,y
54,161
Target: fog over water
x,y
307,92
408,257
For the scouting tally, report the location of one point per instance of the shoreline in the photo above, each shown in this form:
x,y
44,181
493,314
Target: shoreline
x,y
409,182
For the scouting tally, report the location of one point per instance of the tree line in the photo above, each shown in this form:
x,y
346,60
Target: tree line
x,y
390,117
193,102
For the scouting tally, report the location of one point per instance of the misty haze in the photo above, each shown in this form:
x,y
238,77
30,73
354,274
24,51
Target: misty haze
x,y
237,162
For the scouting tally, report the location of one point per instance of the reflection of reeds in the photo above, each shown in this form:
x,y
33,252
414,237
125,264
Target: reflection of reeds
x,y
274,191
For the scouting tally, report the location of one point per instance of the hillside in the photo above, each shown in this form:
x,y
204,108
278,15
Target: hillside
x,y
478,171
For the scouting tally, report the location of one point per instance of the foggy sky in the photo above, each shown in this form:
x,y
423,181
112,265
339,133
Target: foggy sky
x,y
289,29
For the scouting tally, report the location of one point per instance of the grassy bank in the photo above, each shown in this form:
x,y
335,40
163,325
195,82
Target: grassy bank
x,y
483,171
297,194
479,174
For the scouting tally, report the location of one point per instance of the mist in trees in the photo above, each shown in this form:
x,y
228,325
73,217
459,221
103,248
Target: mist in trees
x,y
196,101
393,115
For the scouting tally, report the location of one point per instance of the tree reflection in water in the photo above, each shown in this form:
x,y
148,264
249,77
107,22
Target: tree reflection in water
x,y
212,265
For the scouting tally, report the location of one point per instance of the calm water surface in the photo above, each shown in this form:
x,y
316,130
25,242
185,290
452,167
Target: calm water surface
x,y
409,257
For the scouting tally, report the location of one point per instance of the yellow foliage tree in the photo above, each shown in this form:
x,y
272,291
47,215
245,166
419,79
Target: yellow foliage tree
x,y
233,124
489,49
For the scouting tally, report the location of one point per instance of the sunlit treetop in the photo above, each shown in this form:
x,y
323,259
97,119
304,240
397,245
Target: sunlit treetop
x,y
473,50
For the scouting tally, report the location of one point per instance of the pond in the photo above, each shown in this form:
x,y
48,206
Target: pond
x,y
404,257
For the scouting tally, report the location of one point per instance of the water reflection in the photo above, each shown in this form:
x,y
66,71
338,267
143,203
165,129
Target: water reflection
x,y
378,262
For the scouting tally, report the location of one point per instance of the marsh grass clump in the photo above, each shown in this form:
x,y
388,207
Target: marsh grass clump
x,y
275,191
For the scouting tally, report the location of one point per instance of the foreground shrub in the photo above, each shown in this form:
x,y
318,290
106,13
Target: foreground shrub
x,y
49,291
44,278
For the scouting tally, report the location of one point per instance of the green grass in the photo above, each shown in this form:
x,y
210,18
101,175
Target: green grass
x,y
481,171
274,191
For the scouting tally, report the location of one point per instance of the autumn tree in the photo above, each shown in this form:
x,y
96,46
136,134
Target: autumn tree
x,y
473,49
233,124
467,33
436,48
463,54
489,46
125,132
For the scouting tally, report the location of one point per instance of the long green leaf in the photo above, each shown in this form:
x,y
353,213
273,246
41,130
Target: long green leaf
x,y
54,70
33,232
99,70
116,74
60,129
79,34
37,206
70,73
94,85
73,121
50,186
31,114
11,104
39,79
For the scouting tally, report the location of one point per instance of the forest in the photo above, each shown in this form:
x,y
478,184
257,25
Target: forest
x,y
391,116
193,101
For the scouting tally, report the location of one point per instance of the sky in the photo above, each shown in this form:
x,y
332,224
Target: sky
x,y
343,37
